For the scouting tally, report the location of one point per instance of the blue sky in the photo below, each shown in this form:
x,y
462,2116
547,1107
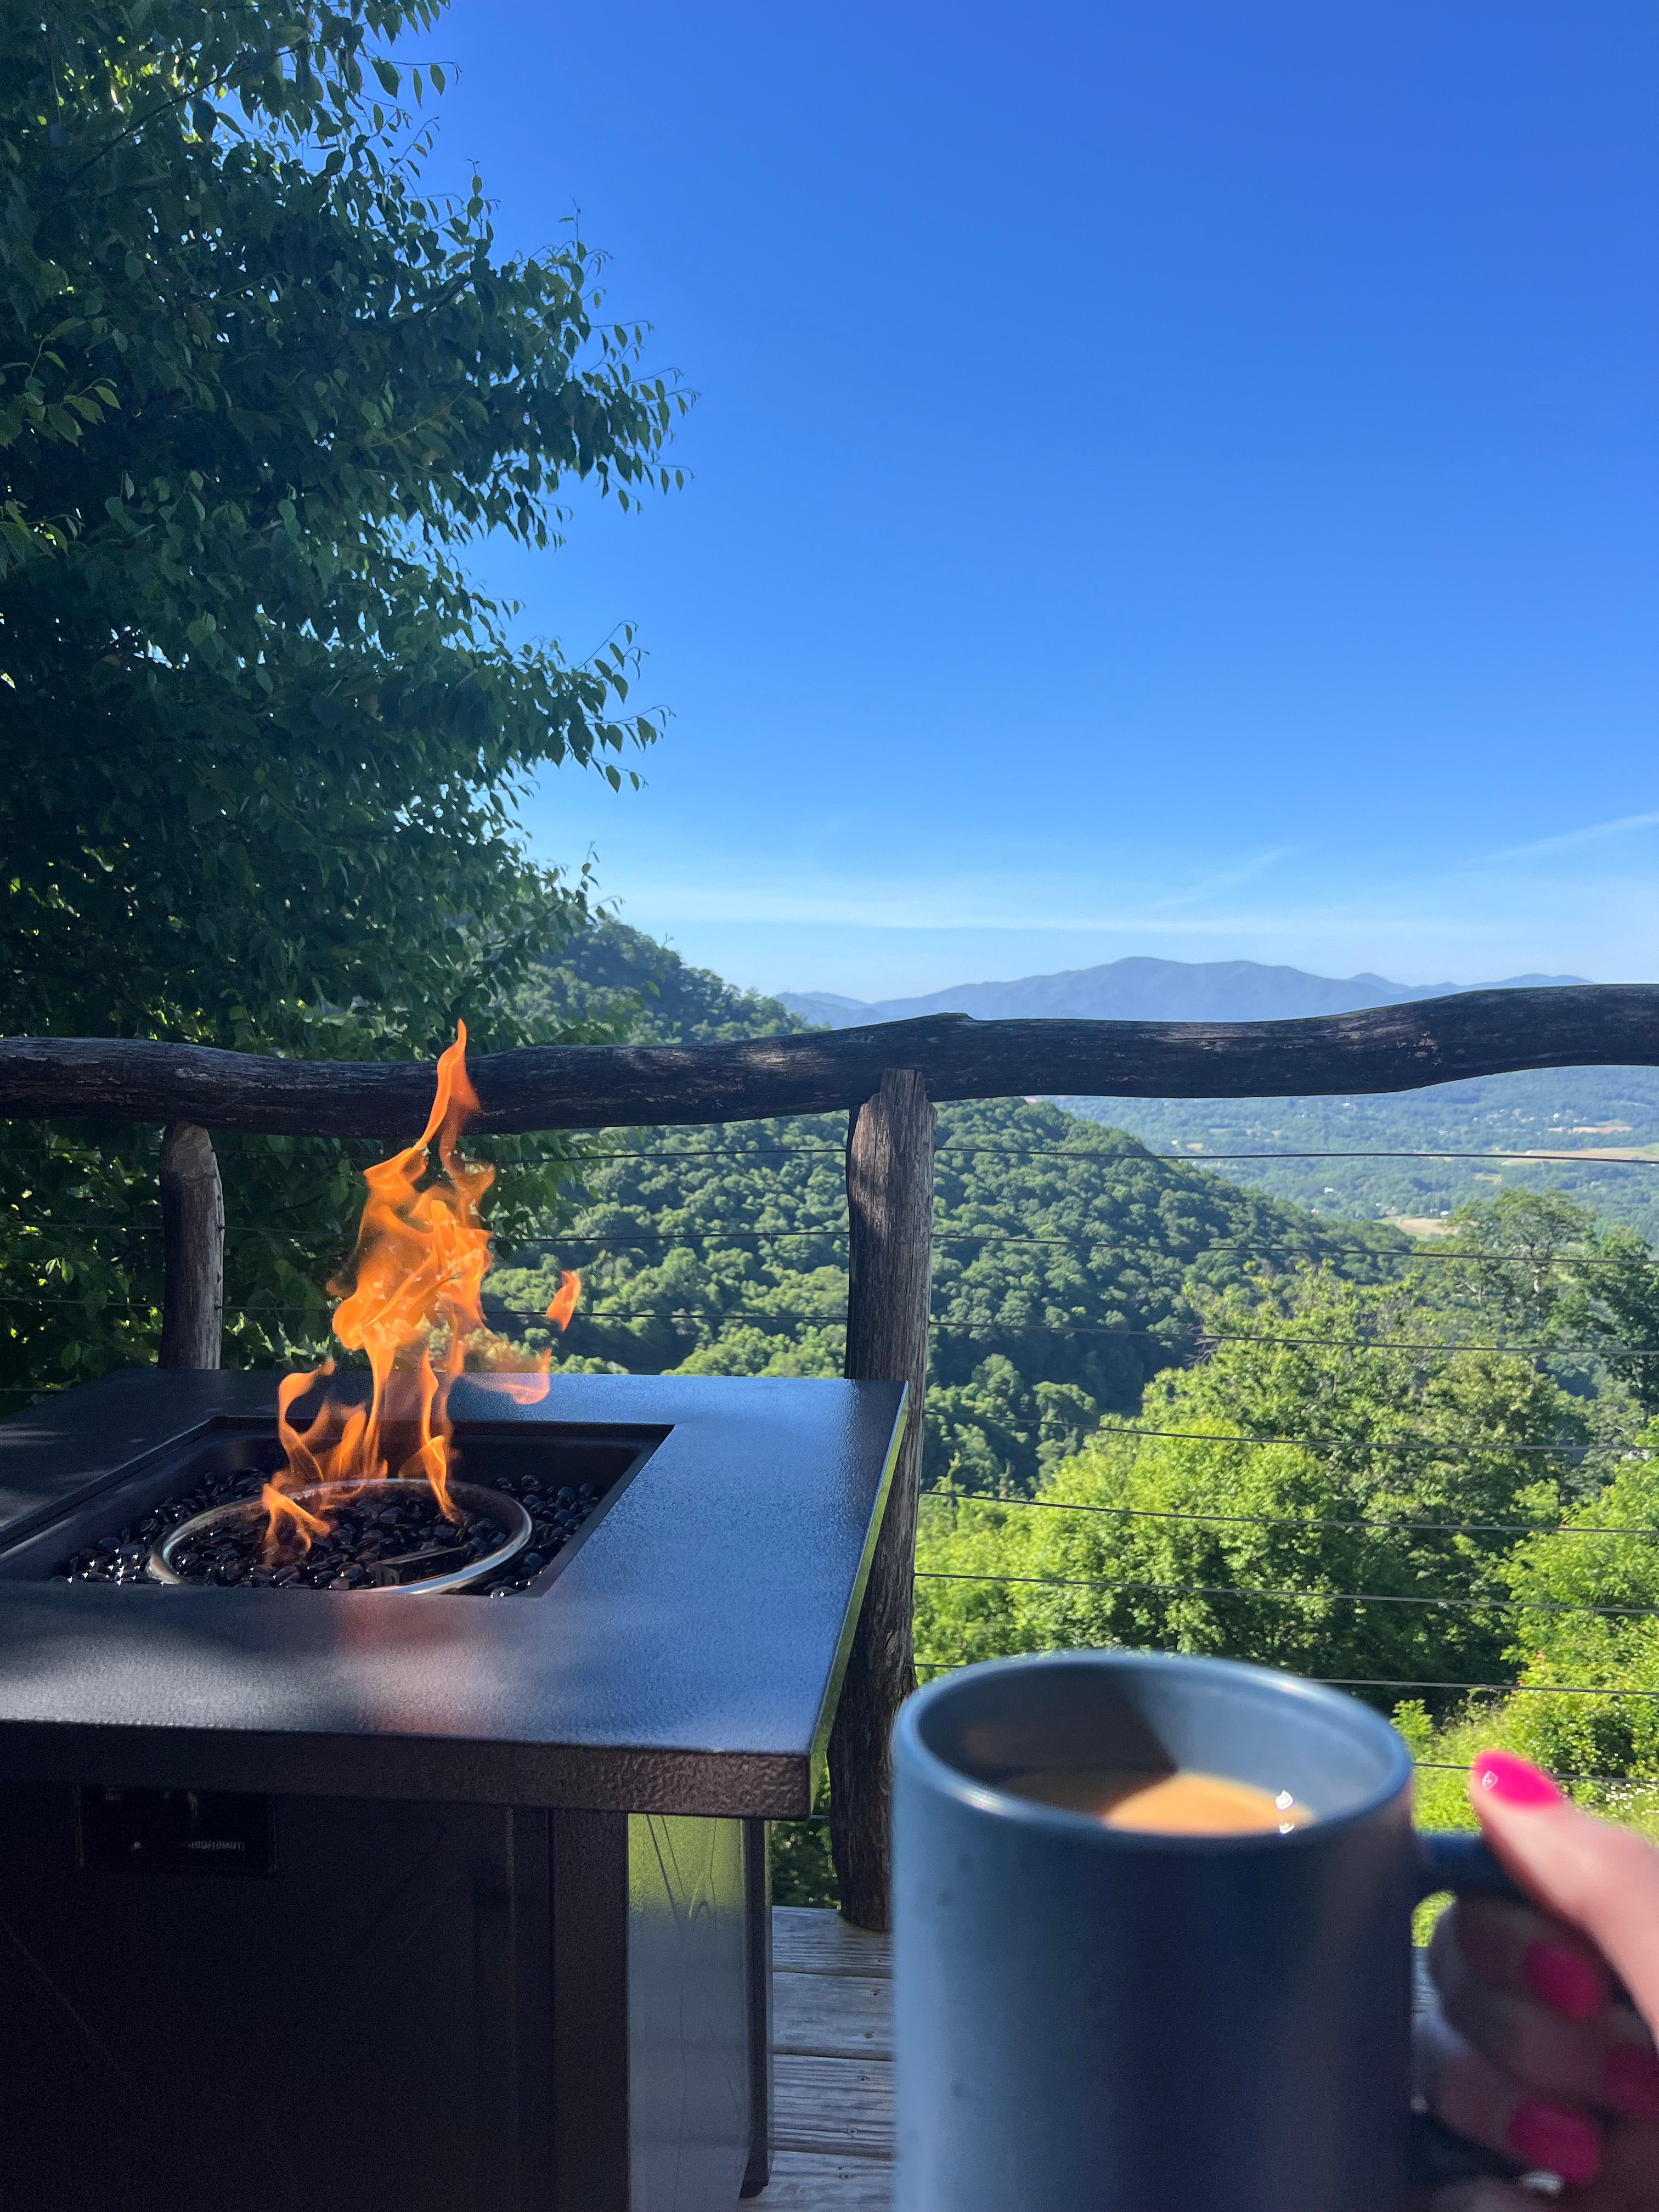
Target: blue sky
x,y
1172,479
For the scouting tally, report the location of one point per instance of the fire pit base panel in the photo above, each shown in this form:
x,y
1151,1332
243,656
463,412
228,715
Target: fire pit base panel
x,y
213,2003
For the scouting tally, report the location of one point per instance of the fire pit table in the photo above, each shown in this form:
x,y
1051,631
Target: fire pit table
x,y
377,1899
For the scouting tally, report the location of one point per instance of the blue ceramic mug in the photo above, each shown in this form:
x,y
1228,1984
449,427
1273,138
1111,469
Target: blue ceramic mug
x,y
1091,2017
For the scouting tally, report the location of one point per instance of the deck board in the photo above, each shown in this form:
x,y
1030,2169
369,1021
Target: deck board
x,y
809,1942
807,2182
831,2016
841,2105
832,2042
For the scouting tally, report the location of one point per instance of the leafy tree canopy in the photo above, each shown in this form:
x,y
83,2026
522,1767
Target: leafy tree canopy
x,y
1543,1269
1594,1589
1309,1464
260,392
260,389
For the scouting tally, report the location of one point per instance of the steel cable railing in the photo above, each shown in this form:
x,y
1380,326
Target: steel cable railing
x,y
1282,1519
1319,1248
989,1324
1307,1595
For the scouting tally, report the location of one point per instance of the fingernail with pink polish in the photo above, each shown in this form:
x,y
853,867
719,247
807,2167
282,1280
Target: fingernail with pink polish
x,y
1513,1781
1629,2082
1559,2141
1562,1980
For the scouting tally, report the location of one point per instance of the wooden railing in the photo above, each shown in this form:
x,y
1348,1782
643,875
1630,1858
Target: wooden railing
x,y
888,1078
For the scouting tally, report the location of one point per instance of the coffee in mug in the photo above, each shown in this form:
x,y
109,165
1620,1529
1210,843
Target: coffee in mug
x,y
1173,1802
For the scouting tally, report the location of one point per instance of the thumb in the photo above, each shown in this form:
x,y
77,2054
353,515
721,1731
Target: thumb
x,y
1601,1880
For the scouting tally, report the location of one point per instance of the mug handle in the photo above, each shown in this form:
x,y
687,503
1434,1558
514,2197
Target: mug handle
x,y
1455,1858
1435,2157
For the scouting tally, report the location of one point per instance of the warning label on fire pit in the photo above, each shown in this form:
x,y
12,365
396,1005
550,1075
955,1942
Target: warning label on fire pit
x,y
175,1832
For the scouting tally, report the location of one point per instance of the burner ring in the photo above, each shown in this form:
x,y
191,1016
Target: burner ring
x,y
495,1503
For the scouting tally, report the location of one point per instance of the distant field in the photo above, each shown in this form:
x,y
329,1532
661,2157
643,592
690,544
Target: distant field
x,y
1562,1112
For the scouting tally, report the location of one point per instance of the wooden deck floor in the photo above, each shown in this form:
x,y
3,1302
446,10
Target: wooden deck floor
x,y
833,2044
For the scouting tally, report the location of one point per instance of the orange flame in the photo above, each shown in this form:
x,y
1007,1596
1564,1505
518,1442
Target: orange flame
x,y
417,1273
564,1298
289,1520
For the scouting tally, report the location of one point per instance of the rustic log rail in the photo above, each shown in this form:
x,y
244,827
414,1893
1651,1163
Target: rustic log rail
x,y
887,1077
591,1086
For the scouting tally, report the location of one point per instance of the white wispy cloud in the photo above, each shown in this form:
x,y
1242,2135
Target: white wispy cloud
x,y
855,914
1569,840
1225,879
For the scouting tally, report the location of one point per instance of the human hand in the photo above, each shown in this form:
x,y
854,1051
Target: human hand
x,y
1541,2043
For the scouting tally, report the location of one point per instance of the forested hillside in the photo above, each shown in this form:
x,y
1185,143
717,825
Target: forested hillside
x,y
1068,1263
611,979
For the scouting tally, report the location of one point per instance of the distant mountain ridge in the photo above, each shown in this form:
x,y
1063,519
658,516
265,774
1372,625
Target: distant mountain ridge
x,y
1146,990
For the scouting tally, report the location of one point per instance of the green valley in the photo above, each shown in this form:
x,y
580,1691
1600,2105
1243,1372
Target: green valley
x,y
1566,1110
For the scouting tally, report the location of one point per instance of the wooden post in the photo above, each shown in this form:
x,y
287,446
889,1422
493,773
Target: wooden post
x,y
889,1196
193,1241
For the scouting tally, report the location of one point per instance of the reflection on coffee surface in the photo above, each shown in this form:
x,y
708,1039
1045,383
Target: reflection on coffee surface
x,y
1182,1803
